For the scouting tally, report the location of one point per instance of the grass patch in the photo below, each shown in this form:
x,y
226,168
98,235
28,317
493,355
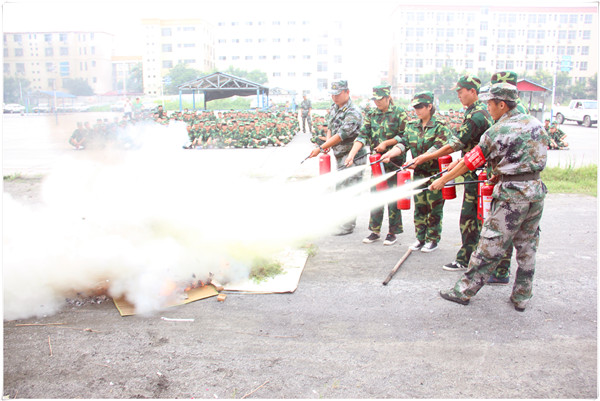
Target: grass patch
x,y
570,180
12,177
311,249
262,269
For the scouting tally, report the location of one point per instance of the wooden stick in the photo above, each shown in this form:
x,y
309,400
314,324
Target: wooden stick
x,y
256,389
50,345
395,269
38,324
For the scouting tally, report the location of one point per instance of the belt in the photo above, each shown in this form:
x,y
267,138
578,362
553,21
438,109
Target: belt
x,y
521,177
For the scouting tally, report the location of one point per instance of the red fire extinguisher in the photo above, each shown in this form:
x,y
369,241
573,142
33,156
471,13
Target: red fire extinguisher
x,y
448,192
324,163
480,177
378,170
486,200
403,177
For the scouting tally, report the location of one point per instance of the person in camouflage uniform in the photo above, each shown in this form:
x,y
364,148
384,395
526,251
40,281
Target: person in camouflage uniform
x,y
476,121
557,137
424,135
382,124
306,107
344,122
516,150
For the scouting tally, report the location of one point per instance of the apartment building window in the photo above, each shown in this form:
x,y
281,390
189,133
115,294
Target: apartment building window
x,y
483,41
236,41
18,52
501,49
322,66
291,74
561,50
501,33
450,48
482,56
167,63
541,34
450,32
419,63
586,35
20,67
440,32
470,48
410,47
337,59
93,63
49,67
64,68
532,18
238,57
468,64
322,49
420,32
165,32
276,40
585,50
187,45
222,58
470,33
539,50
221,41
410,32
583,66
573,19
408,78
48,37
64,51
572,35
483,26
588,18
510,49
541,18
189,29
306,74
409,63
530,34
6,68
322,83
167,48
190,61
262,57
419,47
439,63
249,57
539,65
510,64
449,63
529,65
439,48
562,34
17,37
63,37
570,50
276,57
564,18
276,23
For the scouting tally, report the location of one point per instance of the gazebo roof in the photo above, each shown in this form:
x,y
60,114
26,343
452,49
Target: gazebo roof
x,y
525,85
220,85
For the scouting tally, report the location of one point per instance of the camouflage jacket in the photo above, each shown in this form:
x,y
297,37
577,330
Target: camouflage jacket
x,y
345,122
421,140
475,122
380,126
305,105
516,144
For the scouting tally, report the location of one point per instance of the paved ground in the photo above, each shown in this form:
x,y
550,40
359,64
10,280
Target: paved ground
x,y
342,334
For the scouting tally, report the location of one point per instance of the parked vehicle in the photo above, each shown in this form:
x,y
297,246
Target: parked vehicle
x,y
118,106
13,108
41,108
583,111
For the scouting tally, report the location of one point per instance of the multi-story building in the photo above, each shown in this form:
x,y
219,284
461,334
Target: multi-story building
x,y
122,68
297,53
169,42
47,59
474,39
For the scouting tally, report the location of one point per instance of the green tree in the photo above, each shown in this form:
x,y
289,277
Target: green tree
x,y
135,81
440,83
14,88
179,75
78,87
256,76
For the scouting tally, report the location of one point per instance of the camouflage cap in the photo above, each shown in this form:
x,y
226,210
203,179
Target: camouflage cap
x,y
504,76
422,98
501,91
381,91
338,86
468,82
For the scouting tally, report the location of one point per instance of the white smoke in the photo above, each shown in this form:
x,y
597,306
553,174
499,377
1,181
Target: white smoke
x,y
141,218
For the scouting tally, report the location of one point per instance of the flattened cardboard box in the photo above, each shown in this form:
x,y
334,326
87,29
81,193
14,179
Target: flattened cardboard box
x,y
127,309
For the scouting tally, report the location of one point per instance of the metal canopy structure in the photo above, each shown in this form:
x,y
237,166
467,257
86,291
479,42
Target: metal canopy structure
x,y
220,86
527,86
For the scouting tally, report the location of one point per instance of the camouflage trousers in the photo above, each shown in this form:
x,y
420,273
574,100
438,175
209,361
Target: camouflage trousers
x,y
509,224
306,119
394,214
429,211
348,182
470,226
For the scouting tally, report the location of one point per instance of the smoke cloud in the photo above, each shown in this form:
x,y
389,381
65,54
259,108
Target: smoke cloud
x,y
136,220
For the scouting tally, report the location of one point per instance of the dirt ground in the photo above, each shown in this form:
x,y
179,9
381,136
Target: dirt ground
x,y
341,334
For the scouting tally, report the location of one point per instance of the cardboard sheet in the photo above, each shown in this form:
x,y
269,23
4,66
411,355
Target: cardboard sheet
x,y
127,309
293,262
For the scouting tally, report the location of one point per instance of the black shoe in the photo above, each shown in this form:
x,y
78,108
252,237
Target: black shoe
x,y
417,245
371,238
429,247
450,295
493,280
454,267
390,239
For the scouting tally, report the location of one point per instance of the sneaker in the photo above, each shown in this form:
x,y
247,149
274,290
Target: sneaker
x,y
450,295
454,267
417,245
429,247
519,307
493,280
343,232
390,239
371,238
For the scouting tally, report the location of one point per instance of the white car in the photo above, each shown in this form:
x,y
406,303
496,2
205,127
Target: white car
x,y
14,108
583,111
